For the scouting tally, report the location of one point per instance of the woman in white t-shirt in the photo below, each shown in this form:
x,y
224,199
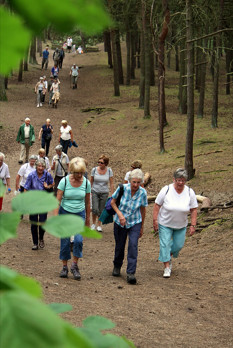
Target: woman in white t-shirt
x,y
65,136
23,173
172,206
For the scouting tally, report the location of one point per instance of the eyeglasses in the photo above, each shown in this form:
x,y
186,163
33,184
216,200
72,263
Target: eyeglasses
x,y
100,162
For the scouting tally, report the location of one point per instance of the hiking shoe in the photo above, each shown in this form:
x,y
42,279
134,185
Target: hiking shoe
x,y
99,229
131,279
93,227
41,244
116,272
38,105
64,272
35,247
75,270
167,272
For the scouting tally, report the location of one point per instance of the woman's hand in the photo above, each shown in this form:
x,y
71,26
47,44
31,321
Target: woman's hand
x,y
192,230
122,219
155,225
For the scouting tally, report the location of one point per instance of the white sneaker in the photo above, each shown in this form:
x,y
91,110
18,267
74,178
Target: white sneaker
x,y
72,239
167,272
38,105
99,229
170,265
93,227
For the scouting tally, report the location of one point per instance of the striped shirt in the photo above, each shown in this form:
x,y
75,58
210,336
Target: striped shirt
x,y
130,206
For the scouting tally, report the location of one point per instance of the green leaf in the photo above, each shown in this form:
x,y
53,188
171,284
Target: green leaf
x,y
2,186
60,307
26,322
91,233
75,338
89,16
63,226
119,342
11,280
98,323
14,40
34,202
8,225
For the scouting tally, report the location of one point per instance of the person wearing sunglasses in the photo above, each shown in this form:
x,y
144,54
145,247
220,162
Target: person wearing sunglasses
x,y
170,217
101,176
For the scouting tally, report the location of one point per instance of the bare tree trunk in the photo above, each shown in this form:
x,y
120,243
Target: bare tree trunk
x,y
202,68
133,58
161,75
128,44
3,96
214,121
198,66
20,74
25,62
190,92
177,57
119,58
147,38
183,80
39,46
152,66
32,58
6,82
115,64
107,47
142,73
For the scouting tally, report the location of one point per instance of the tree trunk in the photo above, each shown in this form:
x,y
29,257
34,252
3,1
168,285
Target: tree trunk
x,y
161,74
6,82
142,73
183,80
214,121
152,66
198,66
108,48
119,58
229,67
3,96
190,92
147,38
115,64
202,68
25,62
32,57
177,58
128,44
133,58
84,45
20,74
39,46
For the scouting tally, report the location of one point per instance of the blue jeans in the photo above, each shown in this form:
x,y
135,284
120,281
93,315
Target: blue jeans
x,y
120,234
65,242
171,241
45,144
65,145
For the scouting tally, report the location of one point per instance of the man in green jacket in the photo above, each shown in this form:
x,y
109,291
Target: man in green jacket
x,y
26,136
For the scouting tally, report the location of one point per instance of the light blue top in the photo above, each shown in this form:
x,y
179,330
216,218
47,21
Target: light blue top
x,y
130,206
73,199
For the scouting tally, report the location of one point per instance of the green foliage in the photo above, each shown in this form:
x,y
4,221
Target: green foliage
x,y
25,321
30,18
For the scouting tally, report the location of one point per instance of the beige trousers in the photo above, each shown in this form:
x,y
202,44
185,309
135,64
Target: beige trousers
x,y
24,151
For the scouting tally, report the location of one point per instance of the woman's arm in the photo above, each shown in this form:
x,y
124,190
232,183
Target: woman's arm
x,y
59,198
88,209
92,180
17,182
119,213
40,132
111,184
71,135
8,183
143,214
59,137
193,221
155,216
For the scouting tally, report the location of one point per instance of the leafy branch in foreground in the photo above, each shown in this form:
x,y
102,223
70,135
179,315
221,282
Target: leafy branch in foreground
x,y
25,321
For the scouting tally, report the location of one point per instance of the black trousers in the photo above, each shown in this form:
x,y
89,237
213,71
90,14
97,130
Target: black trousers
x,y
35,229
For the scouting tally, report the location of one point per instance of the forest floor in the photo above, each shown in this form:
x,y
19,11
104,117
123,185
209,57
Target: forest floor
x,y
194,307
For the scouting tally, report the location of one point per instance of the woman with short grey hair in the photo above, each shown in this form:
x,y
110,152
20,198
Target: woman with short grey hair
x,y
172,206
137,174
60,166
4,175
41,180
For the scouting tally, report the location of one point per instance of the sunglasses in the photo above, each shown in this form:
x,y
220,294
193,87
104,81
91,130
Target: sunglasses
x,y
100,162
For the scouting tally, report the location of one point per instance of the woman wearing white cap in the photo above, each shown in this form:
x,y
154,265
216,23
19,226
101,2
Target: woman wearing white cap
x,y
39,87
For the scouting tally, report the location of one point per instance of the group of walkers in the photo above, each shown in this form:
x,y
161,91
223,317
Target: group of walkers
x,y
68,180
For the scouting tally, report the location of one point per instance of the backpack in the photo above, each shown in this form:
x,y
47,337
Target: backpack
x,y
108,206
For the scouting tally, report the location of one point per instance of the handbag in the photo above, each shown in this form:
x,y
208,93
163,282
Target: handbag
x,y
107,214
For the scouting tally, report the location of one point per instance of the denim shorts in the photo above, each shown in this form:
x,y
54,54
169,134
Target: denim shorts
x,y
65,253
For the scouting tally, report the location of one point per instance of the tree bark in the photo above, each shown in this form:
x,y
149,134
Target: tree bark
x,y
152,66
119,58
107,41
183,80
177,58
25,61
202,68
3,96
20,74
190,92
6,82
32,57
128,44
147,38
133,58
115,64
39,46
142,73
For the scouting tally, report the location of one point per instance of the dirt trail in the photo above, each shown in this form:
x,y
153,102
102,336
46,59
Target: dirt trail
x,y
191,309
